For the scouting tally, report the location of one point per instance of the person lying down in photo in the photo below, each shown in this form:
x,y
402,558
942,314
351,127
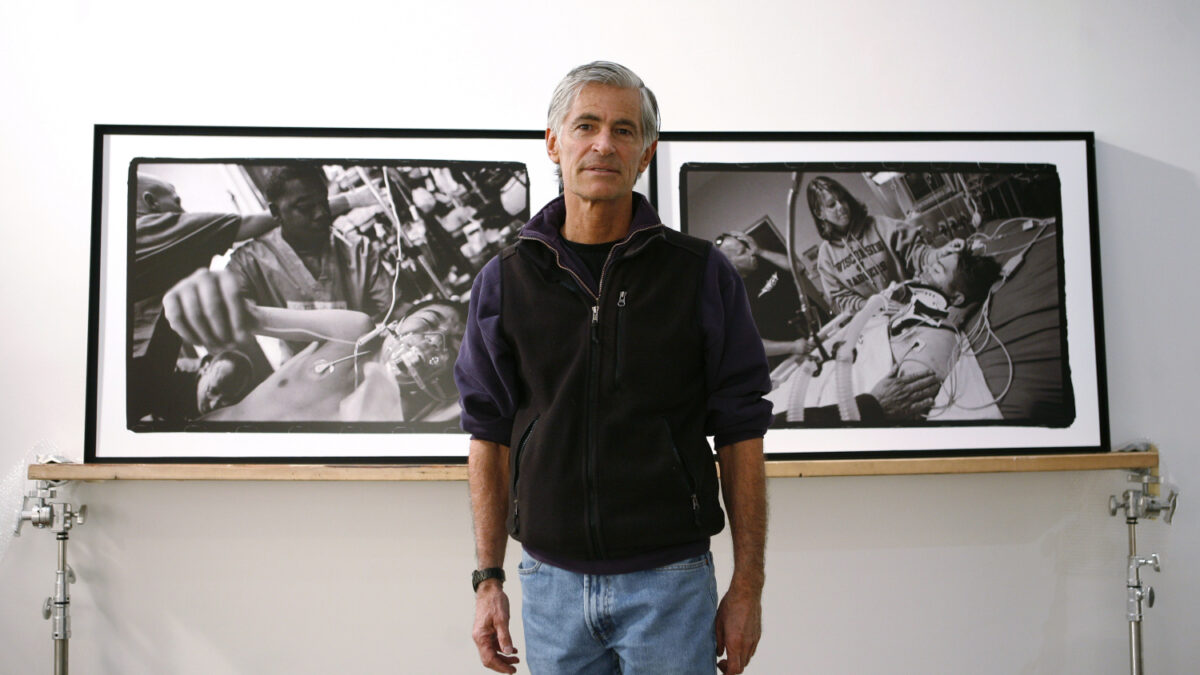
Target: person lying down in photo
x,y
908,332
351,371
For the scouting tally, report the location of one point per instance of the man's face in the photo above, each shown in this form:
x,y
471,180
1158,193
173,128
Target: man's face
x,y
223,381
303,212
942,271
161,198
424,344
599,149
739,254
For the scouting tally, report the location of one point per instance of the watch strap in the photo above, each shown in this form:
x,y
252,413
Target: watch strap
x,y
480,576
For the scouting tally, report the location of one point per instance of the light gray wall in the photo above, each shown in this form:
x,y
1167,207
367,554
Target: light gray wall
x,y
981,574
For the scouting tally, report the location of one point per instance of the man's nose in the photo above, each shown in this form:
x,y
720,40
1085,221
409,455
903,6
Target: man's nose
x,y
604,142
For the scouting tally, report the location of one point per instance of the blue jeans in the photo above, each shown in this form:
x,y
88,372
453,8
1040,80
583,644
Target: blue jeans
x,y
659,621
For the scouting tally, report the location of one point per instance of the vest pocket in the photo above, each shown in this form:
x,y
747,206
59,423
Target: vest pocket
x,y
516,475
688,480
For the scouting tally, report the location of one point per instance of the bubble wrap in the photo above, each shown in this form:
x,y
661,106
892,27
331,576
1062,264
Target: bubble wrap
x,y
13,487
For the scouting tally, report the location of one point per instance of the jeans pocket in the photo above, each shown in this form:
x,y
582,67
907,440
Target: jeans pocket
x,y
528,566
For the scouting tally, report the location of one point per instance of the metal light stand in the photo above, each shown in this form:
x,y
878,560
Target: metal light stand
x,y
1140,503
41,509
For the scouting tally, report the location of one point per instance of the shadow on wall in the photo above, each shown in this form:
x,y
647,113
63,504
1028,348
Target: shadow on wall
x,y
1149,240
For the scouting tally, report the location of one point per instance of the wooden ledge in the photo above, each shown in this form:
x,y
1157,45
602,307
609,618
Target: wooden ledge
x,y
446,472
943,465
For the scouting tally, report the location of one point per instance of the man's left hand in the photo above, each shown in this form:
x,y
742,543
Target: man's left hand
x,y
905,397
738,628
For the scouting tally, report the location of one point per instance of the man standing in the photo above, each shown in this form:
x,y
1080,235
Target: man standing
x,y
601,349
304,264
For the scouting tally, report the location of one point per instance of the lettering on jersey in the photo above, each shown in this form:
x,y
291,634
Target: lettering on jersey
x,y
878,271
864,251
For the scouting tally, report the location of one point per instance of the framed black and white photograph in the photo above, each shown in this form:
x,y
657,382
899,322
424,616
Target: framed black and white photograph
x,y
352,253
941,290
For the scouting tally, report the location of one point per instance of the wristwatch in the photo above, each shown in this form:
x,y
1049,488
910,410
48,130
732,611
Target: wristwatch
x,y
480,576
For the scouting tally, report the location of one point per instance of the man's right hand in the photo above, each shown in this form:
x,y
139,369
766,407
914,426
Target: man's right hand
x,y
207,309
491,635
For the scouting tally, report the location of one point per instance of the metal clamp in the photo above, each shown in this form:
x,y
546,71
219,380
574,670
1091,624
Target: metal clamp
x,y
1142,503
42,508
1137,593
39,508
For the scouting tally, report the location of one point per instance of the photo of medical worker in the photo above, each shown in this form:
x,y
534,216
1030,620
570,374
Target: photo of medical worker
x,y
316,295
915,294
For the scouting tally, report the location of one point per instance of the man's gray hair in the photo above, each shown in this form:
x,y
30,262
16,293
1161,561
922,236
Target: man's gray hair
x,y
613,75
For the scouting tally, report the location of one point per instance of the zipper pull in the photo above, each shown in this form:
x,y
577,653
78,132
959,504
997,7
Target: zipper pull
x,y
621,299
696,509
596,323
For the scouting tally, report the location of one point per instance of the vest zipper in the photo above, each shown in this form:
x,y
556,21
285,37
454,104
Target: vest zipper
x,y
620,338
589,459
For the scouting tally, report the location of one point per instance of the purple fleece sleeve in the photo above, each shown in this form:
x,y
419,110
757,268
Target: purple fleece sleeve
x,y
485,371
736,365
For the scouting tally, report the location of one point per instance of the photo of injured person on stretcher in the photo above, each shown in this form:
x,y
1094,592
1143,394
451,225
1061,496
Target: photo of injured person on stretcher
x,y
916,295
285,293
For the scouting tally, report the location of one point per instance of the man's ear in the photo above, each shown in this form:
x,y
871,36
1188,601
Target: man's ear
x,y
957,299
646,156
552,146
149,200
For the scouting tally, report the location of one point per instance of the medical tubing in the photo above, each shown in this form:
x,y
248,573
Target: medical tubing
x,y
805,308
847,406
800,379
390,208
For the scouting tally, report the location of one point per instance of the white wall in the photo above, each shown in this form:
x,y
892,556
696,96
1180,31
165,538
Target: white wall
x,y
979,574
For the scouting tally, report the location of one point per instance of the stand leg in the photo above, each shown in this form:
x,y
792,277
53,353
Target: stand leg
x,y
62,603
1135,647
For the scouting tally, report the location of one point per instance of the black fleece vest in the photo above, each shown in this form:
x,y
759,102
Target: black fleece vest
x,y
608,457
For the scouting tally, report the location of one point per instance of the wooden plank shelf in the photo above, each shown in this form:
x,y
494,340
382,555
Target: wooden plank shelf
x,y
450,472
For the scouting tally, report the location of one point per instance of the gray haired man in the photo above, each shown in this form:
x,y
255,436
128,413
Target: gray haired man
x,y
601,351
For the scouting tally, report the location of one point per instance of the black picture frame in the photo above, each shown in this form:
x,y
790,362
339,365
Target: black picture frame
x,y
114,433
712,183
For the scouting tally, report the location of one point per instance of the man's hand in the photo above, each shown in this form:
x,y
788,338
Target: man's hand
x,y
207,309
906,396
491,635
487,478
738,628
738,624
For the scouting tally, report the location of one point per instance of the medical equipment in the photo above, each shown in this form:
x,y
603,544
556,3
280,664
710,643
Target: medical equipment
x,y
806,309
